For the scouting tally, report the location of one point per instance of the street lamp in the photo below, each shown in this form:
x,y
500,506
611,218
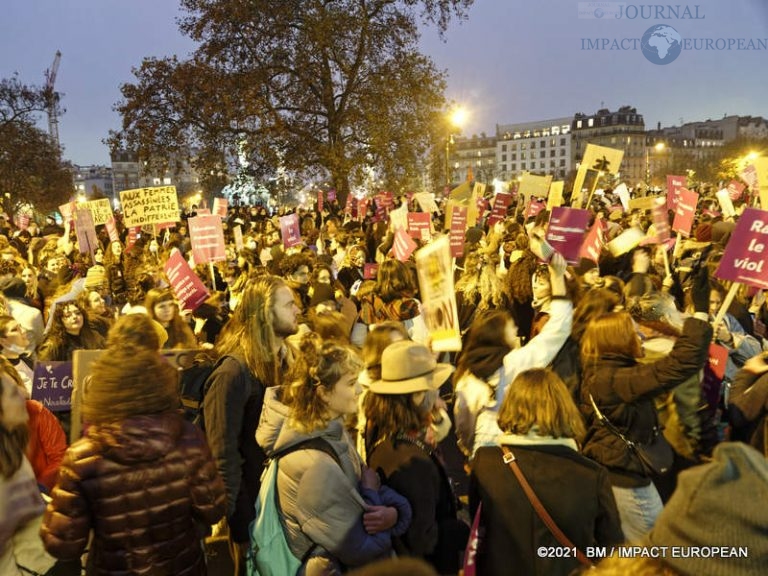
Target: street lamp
x,y
456,120
658,147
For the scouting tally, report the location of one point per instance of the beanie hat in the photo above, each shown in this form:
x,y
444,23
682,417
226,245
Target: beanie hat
x,y
95,277
720,505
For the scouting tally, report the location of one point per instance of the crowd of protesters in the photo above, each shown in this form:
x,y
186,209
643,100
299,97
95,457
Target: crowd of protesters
x,y
571,380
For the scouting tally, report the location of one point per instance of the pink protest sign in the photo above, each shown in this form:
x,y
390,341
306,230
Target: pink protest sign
x,y
661,220
403,246
207,238
685,211
674,184
499,211
289,228
320,198
67,211
219,207
566,231
745,255
419,225
362,208
189,289
133,234
370,271
718,358
534,207
458,229
593,242
735,189
112,230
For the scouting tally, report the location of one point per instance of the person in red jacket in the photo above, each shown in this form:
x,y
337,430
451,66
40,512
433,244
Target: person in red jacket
x,y
47,444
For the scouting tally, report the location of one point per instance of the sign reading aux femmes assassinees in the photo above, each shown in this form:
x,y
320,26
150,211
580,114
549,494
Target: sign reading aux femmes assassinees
x,y
150,205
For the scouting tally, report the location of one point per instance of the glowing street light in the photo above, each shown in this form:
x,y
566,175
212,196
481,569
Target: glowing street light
x,y
456,119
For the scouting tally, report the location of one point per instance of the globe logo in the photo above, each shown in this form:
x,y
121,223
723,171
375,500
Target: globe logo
x,y
661,44
599,13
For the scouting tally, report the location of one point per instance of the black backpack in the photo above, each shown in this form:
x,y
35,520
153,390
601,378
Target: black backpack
x,y
193,386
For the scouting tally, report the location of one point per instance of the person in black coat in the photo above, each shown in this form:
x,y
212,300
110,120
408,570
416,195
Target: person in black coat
x,y
541,426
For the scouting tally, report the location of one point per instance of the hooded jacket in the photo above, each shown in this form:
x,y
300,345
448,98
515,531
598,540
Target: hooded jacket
x,y
319,498
144,486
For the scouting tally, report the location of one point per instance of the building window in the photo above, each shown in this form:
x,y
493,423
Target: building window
x,y
522,166
523,146
578,123
552,142
562,141
513,156
503,157
562,162
552,153
591,122
543,143
562,151
503,147
533,145
523,155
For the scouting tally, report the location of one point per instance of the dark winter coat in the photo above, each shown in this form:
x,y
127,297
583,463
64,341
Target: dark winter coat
x,y
574,490
145,487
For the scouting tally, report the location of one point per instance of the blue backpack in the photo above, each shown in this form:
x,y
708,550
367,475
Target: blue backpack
x,y
269,553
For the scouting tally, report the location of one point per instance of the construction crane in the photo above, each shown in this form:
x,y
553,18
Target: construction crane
x,y
52,99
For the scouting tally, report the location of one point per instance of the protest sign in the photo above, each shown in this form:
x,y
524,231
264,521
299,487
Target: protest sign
x,y
398,218
419,224
685,211
499,211
457,230
718,359
52,385
726,205
660,216
534,207
566,231
370,271
761,179
237,232
320,198
290,231
625,241
187,287
532,185
439,311
464,195
67,211
555,197
645,203
403,245
149,205
623,193
602,158
219,207
87,241
593,242
735,189
674,185
101,210
331,195
426,201
745,255
207,236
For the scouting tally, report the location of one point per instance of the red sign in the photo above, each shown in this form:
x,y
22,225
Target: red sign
x,y
534,207
219,207
458,229
207,238
133,234
419,225
370,271
661,220
674,184
745,255
403,246
566,231
362,208
331,195
685,211
112,230
718,358
735,189
499,211
320,198
289,228
593,243
189,289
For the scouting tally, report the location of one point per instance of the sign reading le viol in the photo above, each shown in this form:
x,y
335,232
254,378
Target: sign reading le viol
x,y
150,206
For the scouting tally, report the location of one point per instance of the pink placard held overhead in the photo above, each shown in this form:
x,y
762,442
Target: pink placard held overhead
x,y
660,216
593,243
499,211
458,230
320,198
534,207
735,189
289,228
744,259
189,289
220,207
674,184
114,236
685,211
566,231
403,246
419,225
207,238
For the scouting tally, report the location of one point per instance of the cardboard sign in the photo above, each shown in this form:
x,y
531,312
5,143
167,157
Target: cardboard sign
x,y
67,211
87,241
660,217
623,193
645,203
207,236
674,185
419,224
150,205
290,231
532,185
439,310
403,245
726,205
457,230
237,232
427,202
187,287
744,259
602,158
555,197
685,211
625,241
370,271
566,231
52,385
219,207
534,207
593,243
464,195
101,210
499,211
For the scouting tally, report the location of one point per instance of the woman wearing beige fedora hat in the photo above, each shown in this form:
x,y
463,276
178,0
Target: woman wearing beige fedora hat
x,y
398,409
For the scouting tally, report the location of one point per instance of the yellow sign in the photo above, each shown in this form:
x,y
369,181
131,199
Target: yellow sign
x,y
101,210
534,186
602,158
555,197
150,206
645,203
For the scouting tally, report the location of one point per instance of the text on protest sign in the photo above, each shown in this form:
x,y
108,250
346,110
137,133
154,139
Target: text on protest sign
x,y
674,185
101,210
566,231
86,233
188,288
52,385
433,266
290,231
745,255
149,205
458,230
593,242
685,211
220,207
499,210
419,225
207,236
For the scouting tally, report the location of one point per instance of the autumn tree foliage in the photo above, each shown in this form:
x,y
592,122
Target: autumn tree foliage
x,y
315,88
